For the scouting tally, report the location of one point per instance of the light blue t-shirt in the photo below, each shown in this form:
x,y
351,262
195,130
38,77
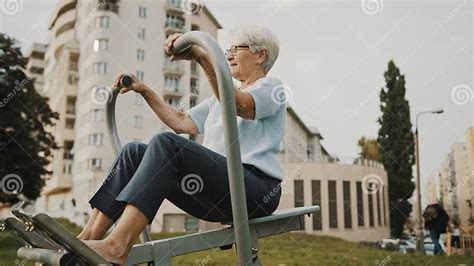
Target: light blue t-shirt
x,y
259,138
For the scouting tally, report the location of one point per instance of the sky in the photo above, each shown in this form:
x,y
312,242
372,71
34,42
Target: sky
x,y
332,58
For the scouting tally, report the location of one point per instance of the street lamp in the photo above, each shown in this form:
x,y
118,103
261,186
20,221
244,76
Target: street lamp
x,y
420,246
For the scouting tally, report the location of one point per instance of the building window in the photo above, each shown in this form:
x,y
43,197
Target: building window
x,y
360,204
142,12
171,84
299,194
140,54
68,153
140,75
316,195
73,78
100,67
141,33
70,123
101,45
192,102
138,99
102,22
194,69
96,139
71,105
174,21
332,199
67,168
191,224
383,205
98,115
138,121
194,87
194,27
172,101
371,210
94,164
346,191
379,211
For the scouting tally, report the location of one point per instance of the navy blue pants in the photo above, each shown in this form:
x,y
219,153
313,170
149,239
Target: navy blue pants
x,y
434,234
191,176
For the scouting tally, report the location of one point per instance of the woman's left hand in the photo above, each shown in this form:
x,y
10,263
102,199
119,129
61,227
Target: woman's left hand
x,y
136,85
189,54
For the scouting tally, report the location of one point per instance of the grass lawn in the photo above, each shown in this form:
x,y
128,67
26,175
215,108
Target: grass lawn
x,y
286,249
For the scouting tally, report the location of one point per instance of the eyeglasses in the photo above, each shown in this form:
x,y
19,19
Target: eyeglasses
x,y
233,49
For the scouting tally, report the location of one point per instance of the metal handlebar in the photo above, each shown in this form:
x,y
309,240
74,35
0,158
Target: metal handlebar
x,y
229,115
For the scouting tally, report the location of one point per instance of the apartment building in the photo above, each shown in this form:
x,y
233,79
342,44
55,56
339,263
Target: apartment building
x,y
91,42
36,65
456,184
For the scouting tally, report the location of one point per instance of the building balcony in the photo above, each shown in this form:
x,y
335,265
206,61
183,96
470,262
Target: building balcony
x,y
35,63
58,184
173,68
172,93
174,25
108,5
174,6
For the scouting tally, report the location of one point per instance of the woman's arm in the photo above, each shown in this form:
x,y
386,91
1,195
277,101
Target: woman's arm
x,y
178,121
244,102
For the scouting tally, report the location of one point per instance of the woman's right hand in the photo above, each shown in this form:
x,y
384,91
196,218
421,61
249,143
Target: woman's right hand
x,y
189,54
136,85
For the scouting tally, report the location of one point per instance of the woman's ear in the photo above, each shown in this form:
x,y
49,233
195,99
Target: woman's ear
x,y
261,56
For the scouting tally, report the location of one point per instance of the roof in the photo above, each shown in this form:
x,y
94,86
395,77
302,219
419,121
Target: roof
x,y
211,17
312,131
36,47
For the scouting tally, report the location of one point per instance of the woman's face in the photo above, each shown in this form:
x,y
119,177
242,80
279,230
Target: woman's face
x,y
243,62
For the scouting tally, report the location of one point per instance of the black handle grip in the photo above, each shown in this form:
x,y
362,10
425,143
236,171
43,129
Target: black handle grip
x,y
126,81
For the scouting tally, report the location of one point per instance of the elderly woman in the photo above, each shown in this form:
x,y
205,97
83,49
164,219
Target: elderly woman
x,y
144,175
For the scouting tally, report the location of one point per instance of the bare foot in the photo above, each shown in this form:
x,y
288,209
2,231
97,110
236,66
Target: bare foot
x,y
111,251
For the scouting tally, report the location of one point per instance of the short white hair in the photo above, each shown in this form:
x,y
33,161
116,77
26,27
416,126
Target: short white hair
x,y
258,38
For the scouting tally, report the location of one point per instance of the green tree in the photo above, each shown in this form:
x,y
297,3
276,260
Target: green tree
x,y
369,149
25,145
396,143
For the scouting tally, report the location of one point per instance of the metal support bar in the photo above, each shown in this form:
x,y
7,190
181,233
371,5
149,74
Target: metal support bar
x,y
229,117
165,249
